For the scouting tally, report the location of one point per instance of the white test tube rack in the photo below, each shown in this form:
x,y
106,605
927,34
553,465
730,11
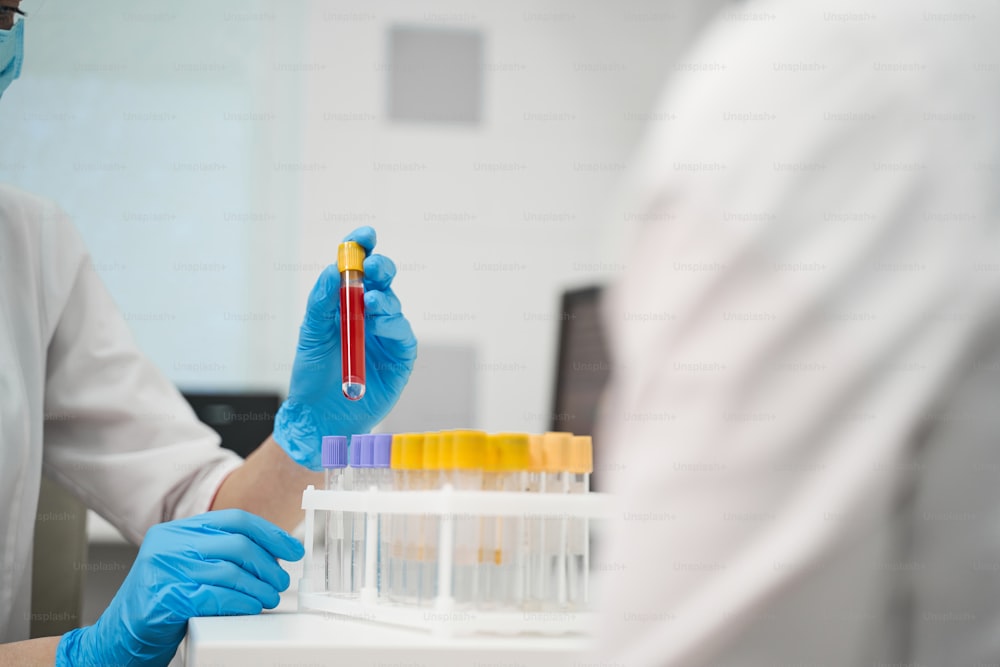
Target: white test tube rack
x,y
444,618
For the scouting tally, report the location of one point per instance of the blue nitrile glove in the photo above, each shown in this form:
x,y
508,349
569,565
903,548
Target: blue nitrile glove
x,y
316,405
216,564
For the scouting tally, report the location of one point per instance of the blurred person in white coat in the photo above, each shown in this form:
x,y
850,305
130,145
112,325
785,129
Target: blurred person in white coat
x,y
805,408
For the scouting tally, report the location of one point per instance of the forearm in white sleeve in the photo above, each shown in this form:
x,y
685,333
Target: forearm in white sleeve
x,y
118,434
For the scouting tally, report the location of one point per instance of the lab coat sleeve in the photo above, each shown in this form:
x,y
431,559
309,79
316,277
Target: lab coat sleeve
x,y
801,295
117,433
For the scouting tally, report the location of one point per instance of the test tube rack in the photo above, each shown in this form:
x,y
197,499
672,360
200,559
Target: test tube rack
x,y
444,618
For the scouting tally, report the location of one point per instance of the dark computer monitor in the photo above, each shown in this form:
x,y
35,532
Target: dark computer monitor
x,y
582,366
242,420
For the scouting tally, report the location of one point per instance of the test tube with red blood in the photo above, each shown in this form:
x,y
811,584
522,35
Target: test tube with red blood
x,y
350,263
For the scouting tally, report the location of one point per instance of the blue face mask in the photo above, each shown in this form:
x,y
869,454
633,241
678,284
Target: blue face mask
x,y
11,54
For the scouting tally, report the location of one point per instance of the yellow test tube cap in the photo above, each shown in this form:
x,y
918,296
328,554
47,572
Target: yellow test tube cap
x,y
470,450
350,257
395,454
556,446
514,451
446,450
536,453
492,462
412,456
581,455
432,451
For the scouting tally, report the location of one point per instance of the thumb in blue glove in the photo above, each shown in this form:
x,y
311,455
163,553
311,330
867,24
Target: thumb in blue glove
x,y
216,564
316,406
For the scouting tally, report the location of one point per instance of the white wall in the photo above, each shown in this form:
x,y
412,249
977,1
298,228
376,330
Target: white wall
x,y
213,154
157,127
490,223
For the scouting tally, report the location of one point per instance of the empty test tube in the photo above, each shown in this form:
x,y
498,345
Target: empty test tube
x,y
556,453
581,465
501,557
511,559
397,531
369,481
397,539
468,458
404,585
429,523
355,523
489,528
382,478
334,459
534,535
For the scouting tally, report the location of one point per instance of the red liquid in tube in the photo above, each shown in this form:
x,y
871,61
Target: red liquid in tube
x,y
352,339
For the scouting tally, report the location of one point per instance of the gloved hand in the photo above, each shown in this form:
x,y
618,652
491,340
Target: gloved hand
x,y
216,564
316,405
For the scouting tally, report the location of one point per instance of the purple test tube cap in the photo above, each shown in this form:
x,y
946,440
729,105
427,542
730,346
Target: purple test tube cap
x,y
368,451
334,452
357,449
383,450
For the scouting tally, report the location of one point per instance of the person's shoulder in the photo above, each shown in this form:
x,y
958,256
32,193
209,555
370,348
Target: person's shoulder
x,y
26,217
40,250
17,204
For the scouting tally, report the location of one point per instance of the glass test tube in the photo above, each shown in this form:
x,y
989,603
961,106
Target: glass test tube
x,y
412,462
361,537
581,465
334,459
354,522
556,454
443,477
397,535
401,463
429,523
534,535
501,556
510,557
469,454
350,263
382,478
490,530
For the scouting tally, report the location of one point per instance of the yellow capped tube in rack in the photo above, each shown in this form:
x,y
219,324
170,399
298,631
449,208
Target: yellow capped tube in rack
x,y
468,458
581,465
556,447
509,556
535,571
406,461
429,525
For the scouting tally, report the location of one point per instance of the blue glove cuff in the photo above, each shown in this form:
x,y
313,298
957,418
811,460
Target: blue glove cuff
x,y
66,651
295,430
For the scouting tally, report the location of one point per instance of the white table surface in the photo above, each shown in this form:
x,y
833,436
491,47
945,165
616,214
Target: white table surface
x,y
285,638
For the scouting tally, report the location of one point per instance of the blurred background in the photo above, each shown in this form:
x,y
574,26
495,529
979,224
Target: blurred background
x,y
213,155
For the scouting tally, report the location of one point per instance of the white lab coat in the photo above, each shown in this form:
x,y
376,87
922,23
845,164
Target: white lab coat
x,y
80,402
804,423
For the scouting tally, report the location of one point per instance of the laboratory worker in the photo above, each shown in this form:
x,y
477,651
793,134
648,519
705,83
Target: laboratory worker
x,y
81,404
804,420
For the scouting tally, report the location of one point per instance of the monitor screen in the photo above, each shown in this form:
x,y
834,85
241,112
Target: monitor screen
x,y
242,419
582,367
